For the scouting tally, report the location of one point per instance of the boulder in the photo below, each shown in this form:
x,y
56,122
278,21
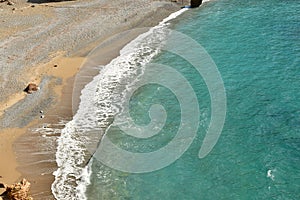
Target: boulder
x,y
31,87
195,3
18,191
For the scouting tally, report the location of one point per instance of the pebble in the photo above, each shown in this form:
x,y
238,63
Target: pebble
x,y
10,3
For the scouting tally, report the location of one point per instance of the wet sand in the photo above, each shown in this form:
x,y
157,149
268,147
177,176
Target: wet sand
x,y
35,38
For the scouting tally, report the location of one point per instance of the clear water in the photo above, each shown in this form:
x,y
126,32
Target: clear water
x,y
256,47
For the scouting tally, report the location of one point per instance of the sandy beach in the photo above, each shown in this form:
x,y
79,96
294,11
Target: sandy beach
x,y
47,43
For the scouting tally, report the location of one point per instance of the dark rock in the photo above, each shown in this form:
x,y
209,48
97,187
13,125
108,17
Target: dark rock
x,y
195,3
31,87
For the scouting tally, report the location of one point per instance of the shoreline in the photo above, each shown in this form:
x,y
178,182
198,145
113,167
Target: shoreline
x,y
35,159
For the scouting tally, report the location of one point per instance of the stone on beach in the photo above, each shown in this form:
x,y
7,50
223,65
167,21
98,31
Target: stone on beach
x,y
18,191
10,3
31,87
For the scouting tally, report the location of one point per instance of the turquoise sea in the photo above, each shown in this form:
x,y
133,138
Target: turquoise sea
x,y
256,48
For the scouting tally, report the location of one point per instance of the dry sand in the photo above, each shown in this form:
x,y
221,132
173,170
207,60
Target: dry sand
x,y
33,39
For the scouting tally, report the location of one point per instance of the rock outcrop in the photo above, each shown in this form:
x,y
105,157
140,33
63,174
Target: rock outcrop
x,y
31,87
18,191
195,3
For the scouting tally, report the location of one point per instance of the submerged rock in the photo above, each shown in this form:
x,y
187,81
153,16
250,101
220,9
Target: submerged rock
x,y
18,191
